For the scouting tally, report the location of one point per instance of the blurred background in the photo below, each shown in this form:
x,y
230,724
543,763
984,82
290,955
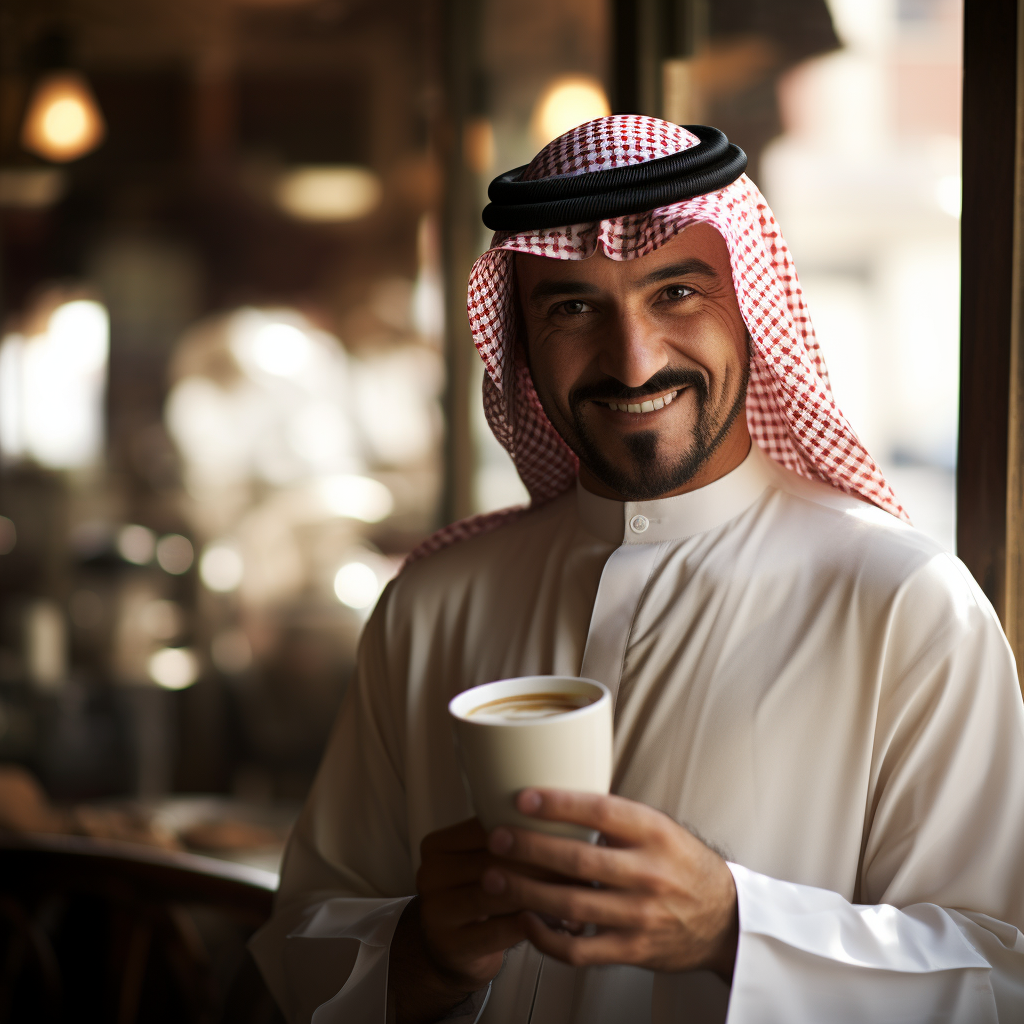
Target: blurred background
x,y
236,380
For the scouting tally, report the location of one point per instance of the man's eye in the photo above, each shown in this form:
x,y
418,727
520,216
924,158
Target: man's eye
x,y
677,291
574,307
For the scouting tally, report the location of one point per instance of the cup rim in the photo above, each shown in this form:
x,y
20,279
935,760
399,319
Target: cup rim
x,y
460,715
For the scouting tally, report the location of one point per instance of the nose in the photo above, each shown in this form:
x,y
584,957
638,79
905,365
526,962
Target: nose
x,y
633,351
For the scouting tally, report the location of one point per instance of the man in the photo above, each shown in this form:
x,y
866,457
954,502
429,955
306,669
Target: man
x,y
818,797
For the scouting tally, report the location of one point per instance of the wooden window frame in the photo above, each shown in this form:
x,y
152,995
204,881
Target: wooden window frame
x,y
990,462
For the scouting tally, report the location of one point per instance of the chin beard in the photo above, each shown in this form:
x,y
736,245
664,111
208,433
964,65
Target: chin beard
x,y
651,472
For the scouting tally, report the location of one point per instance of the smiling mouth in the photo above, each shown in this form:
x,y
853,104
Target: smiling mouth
x,y
649,405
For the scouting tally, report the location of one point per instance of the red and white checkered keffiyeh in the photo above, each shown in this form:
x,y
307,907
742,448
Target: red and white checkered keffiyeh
x,y
791,413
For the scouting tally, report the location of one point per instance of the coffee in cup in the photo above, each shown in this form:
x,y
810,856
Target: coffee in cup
x,y
530,705
549,731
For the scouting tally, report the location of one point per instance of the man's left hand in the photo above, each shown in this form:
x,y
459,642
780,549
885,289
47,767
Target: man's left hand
x,y
664,900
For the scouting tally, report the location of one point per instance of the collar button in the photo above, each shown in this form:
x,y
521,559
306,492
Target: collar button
x,y
639,524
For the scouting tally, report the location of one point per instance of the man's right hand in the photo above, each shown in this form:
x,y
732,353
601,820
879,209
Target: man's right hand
x,y
451,941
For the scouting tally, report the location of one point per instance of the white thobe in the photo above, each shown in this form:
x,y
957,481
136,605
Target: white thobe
x,y
811,686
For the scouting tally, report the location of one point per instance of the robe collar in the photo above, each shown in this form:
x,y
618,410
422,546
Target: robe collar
x,y
680,517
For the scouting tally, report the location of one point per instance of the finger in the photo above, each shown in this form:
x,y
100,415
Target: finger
x,y
603,907
466,835
569,858
579,950
468,904
448,870
626,820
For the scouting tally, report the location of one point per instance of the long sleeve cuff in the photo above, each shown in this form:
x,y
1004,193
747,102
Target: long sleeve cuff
x,y
806,955
328,963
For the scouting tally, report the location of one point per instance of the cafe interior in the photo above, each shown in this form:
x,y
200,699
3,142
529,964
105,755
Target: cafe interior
x,y
237,385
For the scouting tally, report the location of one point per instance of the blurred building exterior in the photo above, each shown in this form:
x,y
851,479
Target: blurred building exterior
x,y
273,396
866,183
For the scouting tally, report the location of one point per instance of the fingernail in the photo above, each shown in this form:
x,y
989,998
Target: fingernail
x,y
500,841
493,882
529,801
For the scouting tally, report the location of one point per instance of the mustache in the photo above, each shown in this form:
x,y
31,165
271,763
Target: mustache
x,y
611,390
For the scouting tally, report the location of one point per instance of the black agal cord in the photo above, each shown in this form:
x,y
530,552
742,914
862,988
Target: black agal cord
x,y
564,199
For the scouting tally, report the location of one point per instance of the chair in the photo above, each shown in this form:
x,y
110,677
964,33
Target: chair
x,y
115,933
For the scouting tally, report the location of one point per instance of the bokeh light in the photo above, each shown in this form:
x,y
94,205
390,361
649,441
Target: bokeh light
x,y
174,668
63,121
53,387
136,544
281,349
174,554
356,585
567,101
221,567
79,333
329,193
356,497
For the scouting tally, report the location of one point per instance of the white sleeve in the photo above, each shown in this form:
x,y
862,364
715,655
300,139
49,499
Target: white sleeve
x,y
328,962
335,961
347,873
932,931
806,955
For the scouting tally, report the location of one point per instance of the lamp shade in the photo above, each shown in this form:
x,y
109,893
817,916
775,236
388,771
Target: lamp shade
x,y
63,120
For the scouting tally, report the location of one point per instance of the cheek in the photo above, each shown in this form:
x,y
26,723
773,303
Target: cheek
x,y
716,341
553,363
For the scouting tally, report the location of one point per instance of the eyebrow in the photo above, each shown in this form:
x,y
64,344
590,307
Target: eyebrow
x,y
681,269
552,286
546,289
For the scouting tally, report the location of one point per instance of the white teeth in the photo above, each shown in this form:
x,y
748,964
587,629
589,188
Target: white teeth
x,y
648,406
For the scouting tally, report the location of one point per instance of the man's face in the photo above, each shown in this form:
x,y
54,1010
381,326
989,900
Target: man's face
x,y
641,364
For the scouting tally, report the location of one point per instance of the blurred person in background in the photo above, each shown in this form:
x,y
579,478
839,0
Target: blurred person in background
x,y
816,809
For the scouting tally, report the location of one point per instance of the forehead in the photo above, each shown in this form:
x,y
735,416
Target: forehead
x,y
697,242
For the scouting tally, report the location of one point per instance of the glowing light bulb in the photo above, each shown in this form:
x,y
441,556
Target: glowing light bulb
x,y
63,121
66,121
567,102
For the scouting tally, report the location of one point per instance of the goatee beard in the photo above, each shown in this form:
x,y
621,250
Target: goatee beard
x,y
651,473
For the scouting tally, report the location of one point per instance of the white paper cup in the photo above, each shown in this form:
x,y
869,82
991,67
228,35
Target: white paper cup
x,y
500,757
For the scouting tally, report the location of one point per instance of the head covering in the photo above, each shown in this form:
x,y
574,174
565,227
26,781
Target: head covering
x,y
791,413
